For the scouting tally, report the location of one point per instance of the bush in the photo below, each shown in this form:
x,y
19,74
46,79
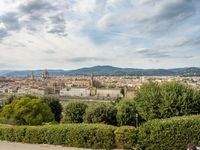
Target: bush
x,y
167,100
27,111
126,137
74,112
169,134
7,121
126,113
101,113
55,106
12,133
72,135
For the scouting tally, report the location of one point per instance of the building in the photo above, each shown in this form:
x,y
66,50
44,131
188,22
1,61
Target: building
x,y
45,74
109,93
75,92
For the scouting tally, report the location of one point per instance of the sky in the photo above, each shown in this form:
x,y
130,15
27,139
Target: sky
x,y
70,34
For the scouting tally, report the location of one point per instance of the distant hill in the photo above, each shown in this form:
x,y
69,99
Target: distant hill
x,y
108,70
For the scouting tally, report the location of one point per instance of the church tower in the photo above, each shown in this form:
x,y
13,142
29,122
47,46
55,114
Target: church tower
x,y
32,75
92,80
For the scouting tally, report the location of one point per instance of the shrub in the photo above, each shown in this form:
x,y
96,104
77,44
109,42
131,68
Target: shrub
x,y
169,134
7,121
27,111
101,113
55,106
12,133
72,135
74,112
126,113
167,100
126,137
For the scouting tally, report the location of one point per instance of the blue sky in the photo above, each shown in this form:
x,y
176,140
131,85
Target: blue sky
x,y
69,34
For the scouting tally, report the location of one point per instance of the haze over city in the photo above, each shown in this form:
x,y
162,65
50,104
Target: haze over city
x,y
70,34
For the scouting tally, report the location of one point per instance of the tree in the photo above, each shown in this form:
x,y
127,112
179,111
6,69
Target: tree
x,y
148,100
178,99
166,100
74,112
127,113
101,113
55,106
28,111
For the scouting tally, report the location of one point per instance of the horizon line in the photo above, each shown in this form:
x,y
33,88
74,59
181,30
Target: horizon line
x,y
97,66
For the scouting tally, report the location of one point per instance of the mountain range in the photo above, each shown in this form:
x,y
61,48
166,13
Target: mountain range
x,y
107,70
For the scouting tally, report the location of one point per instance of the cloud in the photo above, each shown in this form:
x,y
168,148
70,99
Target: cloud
x,y
3,33
85,59
147,16
34,15
50,51
76,33
10,21
35,6
194,41
150,53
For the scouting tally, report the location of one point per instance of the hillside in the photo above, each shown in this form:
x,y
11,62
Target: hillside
x,y
108,70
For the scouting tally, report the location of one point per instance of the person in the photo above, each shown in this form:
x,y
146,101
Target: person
x,y
192,147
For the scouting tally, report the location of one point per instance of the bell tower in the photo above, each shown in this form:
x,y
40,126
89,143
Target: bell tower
x,y
92,80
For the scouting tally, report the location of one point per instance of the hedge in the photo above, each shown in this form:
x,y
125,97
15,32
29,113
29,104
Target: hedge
x,y
72,135
169,134
166,134
126,137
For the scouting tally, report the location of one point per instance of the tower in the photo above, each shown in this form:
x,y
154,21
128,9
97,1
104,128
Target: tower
x,y
92,80
32,75
45,74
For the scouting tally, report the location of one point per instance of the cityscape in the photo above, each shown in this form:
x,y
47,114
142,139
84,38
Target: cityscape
x,y
99,74
84,87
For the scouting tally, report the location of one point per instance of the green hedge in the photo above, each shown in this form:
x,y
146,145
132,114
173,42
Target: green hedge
x,y
12,133
169,134
126,137
73,135
166,134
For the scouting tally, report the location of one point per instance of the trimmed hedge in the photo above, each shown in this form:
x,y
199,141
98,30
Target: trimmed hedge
x,y
72,135
166,134
126,137
169,134
12,133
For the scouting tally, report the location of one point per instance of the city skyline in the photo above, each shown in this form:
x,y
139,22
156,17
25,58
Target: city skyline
x,y
123,33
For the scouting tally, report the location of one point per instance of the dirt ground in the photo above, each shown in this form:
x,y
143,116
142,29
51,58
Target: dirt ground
x,y
20,146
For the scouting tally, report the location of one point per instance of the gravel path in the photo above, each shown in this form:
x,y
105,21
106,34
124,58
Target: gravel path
x,y
20,146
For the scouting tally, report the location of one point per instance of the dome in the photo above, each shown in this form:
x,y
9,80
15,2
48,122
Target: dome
x,y
45,74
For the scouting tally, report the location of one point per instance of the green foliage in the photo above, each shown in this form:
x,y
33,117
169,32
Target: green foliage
x,y
126,113
126,137
74,112
148,100
167,100
27,111
179,99
55,106
12,133
71,135
101,113
169,134
7,121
